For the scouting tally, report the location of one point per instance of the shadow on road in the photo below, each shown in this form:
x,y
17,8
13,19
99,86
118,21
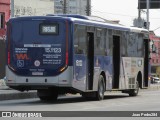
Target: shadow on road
x,y
61,100
75,99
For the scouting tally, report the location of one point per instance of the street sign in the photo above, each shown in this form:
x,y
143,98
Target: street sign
x,y
154,4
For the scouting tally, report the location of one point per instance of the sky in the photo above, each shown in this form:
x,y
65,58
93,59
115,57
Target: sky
x,y
125,11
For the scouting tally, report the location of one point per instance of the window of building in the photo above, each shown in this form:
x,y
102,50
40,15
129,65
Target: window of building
x,y
2,20
157,60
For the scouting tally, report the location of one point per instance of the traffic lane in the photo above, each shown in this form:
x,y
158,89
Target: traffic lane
x,y
66,103
117,102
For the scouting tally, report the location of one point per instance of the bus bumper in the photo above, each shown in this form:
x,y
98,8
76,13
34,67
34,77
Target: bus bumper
x,y
39,82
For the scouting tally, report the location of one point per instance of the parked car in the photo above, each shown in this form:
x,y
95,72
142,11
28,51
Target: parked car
x,y
155,80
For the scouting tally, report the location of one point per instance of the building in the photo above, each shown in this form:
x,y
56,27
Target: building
x,y
81,7
31,7
155,57
4,16
17,8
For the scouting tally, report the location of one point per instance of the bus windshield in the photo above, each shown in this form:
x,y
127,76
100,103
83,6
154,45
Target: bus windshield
x,y
37,47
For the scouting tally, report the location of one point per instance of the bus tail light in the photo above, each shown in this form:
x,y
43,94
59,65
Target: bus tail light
x,y
9,58
66,58
67,32
9,46
8,37
62,69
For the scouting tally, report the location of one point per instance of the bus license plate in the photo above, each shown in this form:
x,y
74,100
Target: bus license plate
x,y
37,73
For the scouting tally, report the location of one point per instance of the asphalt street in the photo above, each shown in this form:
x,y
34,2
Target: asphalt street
x,y
147,100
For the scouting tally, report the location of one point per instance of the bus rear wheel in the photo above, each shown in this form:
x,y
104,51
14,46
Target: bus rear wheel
x,y
101,89
47,95
134,92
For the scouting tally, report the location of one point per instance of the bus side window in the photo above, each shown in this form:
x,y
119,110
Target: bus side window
x,y
100,42
80,42
78,50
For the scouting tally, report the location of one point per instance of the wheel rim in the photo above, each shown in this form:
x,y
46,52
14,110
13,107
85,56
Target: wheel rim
x,y
137,88
101,90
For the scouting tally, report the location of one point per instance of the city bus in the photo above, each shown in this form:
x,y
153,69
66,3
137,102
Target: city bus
x,y
59,54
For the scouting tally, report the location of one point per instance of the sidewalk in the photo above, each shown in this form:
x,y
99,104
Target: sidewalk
x,y
7,93
10,94
154,87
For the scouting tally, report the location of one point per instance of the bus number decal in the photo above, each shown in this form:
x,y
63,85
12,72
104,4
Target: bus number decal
x,y
53,50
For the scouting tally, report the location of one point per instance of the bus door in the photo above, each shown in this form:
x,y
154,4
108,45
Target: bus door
x,y
146,61
116,61
90,60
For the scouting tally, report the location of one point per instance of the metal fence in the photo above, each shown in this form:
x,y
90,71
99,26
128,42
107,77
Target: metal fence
x,y
2,58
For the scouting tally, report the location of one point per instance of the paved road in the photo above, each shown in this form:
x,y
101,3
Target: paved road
x,y
145,101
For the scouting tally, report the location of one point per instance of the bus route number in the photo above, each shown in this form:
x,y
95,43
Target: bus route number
x,y
53,50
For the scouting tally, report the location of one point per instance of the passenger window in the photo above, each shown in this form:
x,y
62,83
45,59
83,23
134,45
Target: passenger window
x,y
100,42
80,42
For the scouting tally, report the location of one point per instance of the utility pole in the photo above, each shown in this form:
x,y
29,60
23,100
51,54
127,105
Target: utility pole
x,y
88,8
148,7
64,7
12,8
139,10
139,15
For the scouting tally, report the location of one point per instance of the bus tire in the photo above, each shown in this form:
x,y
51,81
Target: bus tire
x,y
101,89
47,98
134,92
45,95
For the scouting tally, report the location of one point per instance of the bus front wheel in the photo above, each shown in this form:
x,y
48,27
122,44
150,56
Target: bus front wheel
x,y
134,92
101,89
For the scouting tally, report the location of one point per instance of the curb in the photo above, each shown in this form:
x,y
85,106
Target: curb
x,y
13,95
154,87
7,93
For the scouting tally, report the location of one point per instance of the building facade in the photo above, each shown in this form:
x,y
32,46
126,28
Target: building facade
x,y
32,7
155,57
81,7
4,16
17,8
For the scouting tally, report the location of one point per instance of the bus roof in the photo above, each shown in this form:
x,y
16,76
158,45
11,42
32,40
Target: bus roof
x,y
101,21
79,19
138,30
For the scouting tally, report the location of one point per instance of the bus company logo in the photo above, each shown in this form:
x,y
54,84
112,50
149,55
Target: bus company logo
x,y
22,56
6,114
37,63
